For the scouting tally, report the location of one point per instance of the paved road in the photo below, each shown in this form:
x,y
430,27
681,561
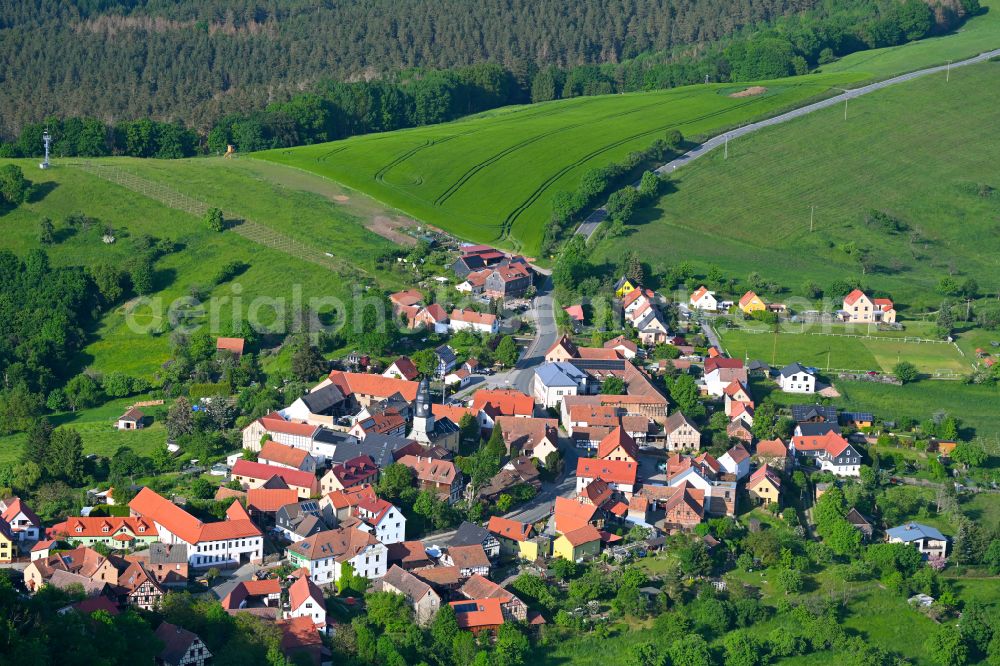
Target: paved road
x,y
590,225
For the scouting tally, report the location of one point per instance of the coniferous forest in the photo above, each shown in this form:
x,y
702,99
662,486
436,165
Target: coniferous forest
x,y
160,78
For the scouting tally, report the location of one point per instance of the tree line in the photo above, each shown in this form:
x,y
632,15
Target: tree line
x,y
235,85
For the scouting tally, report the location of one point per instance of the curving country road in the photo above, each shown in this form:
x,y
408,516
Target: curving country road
x,y
593,221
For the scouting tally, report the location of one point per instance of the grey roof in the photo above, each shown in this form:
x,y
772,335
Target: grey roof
x,y
412,587
470,534
809,412
376,446
913,531
309,525
176,642
855,517
445,354
794,368
817,429
676,420
161,553
63,579
330,436
323,399
560,374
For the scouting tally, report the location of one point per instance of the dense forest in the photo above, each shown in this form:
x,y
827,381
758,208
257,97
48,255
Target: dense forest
x,y
264,73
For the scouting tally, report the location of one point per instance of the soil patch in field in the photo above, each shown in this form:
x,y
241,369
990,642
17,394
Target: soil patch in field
x,y
388,227
750,92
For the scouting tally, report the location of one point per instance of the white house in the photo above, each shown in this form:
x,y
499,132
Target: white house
x,y
553,381
926,539
795,378
736,461
830,451
231,542
703,299
381,518
324,553
470,320
307,600
25,525
720,372
720,496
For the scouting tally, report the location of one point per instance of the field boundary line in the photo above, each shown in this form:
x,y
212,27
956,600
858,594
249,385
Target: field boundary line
x,y
253,231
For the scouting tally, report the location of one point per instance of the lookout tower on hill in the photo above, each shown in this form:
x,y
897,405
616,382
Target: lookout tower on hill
x,y
47,140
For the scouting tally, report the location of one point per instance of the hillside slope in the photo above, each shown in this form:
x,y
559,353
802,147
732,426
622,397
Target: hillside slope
x,y
919,151
492,177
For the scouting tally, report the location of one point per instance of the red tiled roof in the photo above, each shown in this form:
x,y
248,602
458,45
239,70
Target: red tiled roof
x,y
747,297
95,526
406,369
830,442
713,364
435,312
430,469
234,345
256,470
282,453
236,511
853,297
269,500
478,613
699,293
274,422
473,317
612,471
343,499
510,529
738,453
883,304
575,312
765,472
774,448
302,590
506,402
618,437
621,341
571,514
374,385
582,535
407,297
355,471
176,520
453,413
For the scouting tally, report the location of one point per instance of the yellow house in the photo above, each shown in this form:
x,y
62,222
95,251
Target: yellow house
x,y
624,286
516,540
578,544
751,302
764,485
7,548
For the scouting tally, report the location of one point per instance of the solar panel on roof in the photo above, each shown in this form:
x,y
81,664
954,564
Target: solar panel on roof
x,y
469,607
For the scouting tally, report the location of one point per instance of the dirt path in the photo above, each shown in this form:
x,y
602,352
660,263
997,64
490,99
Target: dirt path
x,y
381,220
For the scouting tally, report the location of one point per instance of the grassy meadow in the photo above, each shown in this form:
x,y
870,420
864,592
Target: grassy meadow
x,y
843,353
918,151
979,34
491,177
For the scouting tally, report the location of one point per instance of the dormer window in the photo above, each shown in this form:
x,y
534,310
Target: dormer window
x,y
104,529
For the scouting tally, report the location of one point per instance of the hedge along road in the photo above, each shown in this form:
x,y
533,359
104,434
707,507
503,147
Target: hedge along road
x,y
593,221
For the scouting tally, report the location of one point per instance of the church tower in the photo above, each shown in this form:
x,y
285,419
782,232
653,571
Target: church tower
x,y
423,420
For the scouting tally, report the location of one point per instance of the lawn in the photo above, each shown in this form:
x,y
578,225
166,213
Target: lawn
x,y
96,428
751,212
839,352
491,177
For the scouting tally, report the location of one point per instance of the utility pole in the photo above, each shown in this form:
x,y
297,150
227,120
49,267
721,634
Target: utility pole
x,y
812,213
726,156
846,97
947,76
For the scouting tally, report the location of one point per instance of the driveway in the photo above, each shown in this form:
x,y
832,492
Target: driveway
x,y
230,578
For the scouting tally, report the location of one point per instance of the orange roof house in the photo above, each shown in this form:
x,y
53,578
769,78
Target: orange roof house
x,y
618,445
478,615
503,402
232,345
751,302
